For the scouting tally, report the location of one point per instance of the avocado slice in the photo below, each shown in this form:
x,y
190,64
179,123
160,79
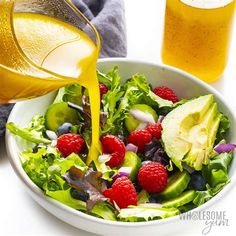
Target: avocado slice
x,y
204,135
189,131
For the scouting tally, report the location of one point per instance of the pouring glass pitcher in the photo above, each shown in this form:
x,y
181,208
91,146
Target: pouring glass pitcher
x,y
43,46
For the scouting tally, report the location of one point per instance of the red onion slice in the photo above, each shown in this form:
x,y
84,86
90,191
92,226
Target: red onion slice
x,y
51,134
223,147
142,126
104,158
131,147
160,118
123,171
145,162
142,116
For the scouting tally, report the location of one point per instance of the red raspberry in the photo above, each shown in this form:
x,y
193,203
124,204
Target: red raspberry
x,y
153,177
139,138
122,192
155,130
114,146
166,93
68,143
103,89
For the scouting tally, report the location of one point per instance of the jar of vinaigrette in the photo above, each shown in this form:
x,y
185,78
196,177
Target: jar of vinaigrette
x,y
197,36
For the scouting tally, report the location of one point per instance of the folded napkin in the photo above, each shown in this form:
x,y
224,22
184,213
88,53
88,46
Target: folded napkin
x,y
109,19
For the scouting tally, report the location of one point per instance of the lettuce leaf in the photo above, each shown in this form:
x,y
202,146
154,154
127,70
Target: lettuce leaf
x,y
120,98
46,167
64,197
223,128
151,99
117,111
72,160
111,79
33,133
90,182
146,213
216,175
104,210
70,93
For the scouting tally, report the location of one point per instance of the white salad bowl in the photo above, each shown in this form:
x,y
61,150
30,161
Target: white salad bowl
x,y
185,85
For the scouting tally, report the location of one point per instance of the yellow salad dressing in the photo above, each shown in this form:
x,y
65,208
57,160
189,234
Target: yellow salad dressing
x,y
47,55
197,35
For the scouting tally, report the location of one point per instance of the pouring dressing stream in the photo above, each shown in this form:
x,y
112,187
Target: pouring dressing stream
x,y
40,53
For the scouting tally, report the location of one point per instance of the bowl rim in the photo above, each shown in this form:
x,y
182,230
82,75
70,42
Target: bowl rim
x,y
14,158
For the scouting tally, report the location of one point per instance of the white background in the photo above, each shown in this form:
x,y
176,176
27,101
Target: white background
x,y
20,215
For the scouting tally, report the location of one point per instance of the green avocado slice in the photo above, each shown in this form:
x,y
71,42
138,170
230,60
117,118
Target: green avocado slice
x,y
204,136
189,131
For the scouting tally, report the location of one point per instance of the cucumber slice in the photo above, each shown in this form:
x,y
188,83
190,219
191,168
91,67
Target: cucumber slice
x,y
183,199
133,161
132,123
177,183
59,113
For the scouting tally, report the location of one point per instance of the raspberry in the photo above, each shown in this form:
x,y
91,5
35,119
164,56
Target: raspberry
x,y
139,138
166,93
153,177
122,193
68,143
103,89
155,130
114,146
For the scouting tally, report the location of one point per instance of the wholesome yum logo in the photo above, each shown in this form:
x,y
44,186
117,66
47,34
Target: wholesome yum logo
x,y
211,219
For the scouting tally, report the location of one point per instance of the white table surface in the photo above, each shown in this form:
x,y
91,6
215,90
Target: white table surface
x,y
20,215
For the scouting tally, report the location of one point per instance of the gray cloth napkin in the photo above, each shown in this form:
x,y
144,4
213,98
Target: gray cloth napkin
x,y
109,19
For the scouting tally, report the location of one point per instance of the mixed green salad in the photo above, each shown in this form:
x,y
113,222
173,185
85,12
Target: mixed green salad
x,y
160,155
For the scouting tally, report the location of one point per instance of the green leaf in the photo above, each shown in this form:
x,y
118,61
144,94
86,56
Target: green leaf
x,y
202,197
33,133
64,197
150,97
37,123
46,167
146,213
103,78
72,160
70,93
186,207
111,79
216,175
117,116
216,171
223,128
104,210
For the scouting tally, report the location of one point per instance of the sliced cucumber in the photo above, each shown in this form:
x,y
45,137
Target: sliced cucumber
x,y
132,123
177,183
59,113
133,161
183,199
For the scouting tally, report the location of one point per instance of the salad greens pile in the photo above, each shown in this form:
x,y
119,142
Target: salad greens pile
x,y
192,148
